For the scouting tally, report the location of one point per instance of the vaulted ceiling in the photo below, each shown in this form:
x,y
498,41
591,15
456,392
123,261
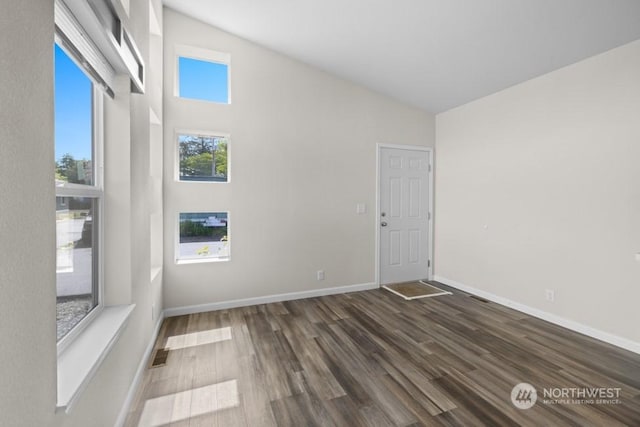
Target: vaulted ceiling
x,y
434,54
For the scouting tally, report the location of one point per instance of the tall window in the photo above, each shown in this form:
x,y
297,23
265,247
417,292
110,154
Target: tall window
x,y
78,193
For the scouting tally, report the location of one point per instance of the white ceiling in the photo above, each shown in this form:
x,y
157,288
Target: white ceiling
x,y
435,54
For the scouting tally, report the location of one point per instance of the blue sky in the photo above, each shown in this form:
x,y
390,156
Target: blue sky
x,y
203,80
72,108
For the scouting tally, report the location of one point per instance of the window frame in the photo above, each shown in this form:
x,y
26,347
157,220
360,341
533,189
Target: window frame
x,y
183,261
200,54
204,133
95,191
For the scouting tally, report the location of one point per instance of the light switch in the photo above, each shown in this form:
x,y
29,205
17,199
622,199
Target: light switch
x,y
361,208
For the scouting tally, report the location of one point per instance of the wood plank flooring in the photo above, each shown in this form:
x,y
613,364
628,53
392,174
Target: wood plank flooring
x,y
373,359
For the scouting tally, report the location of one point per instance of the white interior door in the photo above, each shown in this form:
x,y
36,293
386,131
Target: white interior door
x,y
404,214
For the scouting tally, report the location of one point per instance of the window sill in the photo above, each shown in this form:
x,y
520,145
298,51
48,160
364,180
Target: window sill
x,y
200,260
201,100
79,362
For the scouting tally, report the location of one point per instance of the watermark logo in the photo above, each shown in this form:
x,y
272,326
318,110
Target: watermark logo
x,y
524,396
582,396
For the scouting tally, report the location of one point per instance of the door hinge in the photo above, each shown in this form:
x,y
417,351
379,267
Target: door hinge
x,y
429,168
428,215
429,263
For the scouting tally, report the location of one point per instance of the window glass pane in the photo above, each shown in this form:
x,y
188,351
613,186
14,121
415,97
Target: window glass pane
x,y
76,272
203,80
73,122
203,235
203,158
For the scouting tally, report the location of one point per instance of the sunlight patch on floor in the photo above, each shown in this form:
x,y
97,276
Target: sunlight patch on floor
x,y
193,339
190,403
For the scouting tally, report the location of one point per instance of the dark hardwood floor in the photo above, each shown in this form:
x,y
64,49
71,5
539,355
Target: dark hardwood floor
x,y
373,359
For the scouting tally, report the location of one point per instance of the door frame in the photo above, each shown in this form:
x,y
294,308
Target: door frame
x,y
430,222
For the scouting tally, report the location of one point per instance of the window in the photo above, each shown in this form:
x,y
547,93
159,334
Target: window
x,y
203,80
202,75
78,193
202,158
203,236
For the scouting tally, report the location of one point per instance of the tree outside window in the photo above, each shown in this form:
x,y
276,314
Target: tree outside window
x,y
203,158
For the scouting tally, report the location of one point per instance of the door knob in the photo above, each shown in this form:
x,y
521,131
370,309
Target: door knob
x,y
383,224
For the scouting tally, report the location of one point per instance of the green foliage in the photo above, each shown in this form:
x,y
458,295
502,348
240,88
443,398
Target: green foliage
x,y
221,159
198,154
67,168
196,231
198,165
189,228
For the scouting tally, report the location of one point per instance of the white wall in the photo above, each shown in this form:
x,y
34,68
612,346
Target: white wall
x,y
551,167
27,228
303,150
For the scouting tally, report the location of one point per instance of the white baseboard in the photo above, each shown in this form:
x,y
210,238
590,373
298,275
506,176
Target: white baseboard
x,y
178,311
540,314
137,379
201,308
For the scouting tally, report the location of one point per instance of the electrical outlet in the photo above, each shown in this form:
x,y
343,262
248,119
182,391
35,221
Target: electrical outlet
x,y
550,295
320,275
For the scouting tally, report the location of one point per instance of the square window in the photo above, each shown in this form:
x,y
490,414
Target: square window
x,y
203,236
203,80
203,158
